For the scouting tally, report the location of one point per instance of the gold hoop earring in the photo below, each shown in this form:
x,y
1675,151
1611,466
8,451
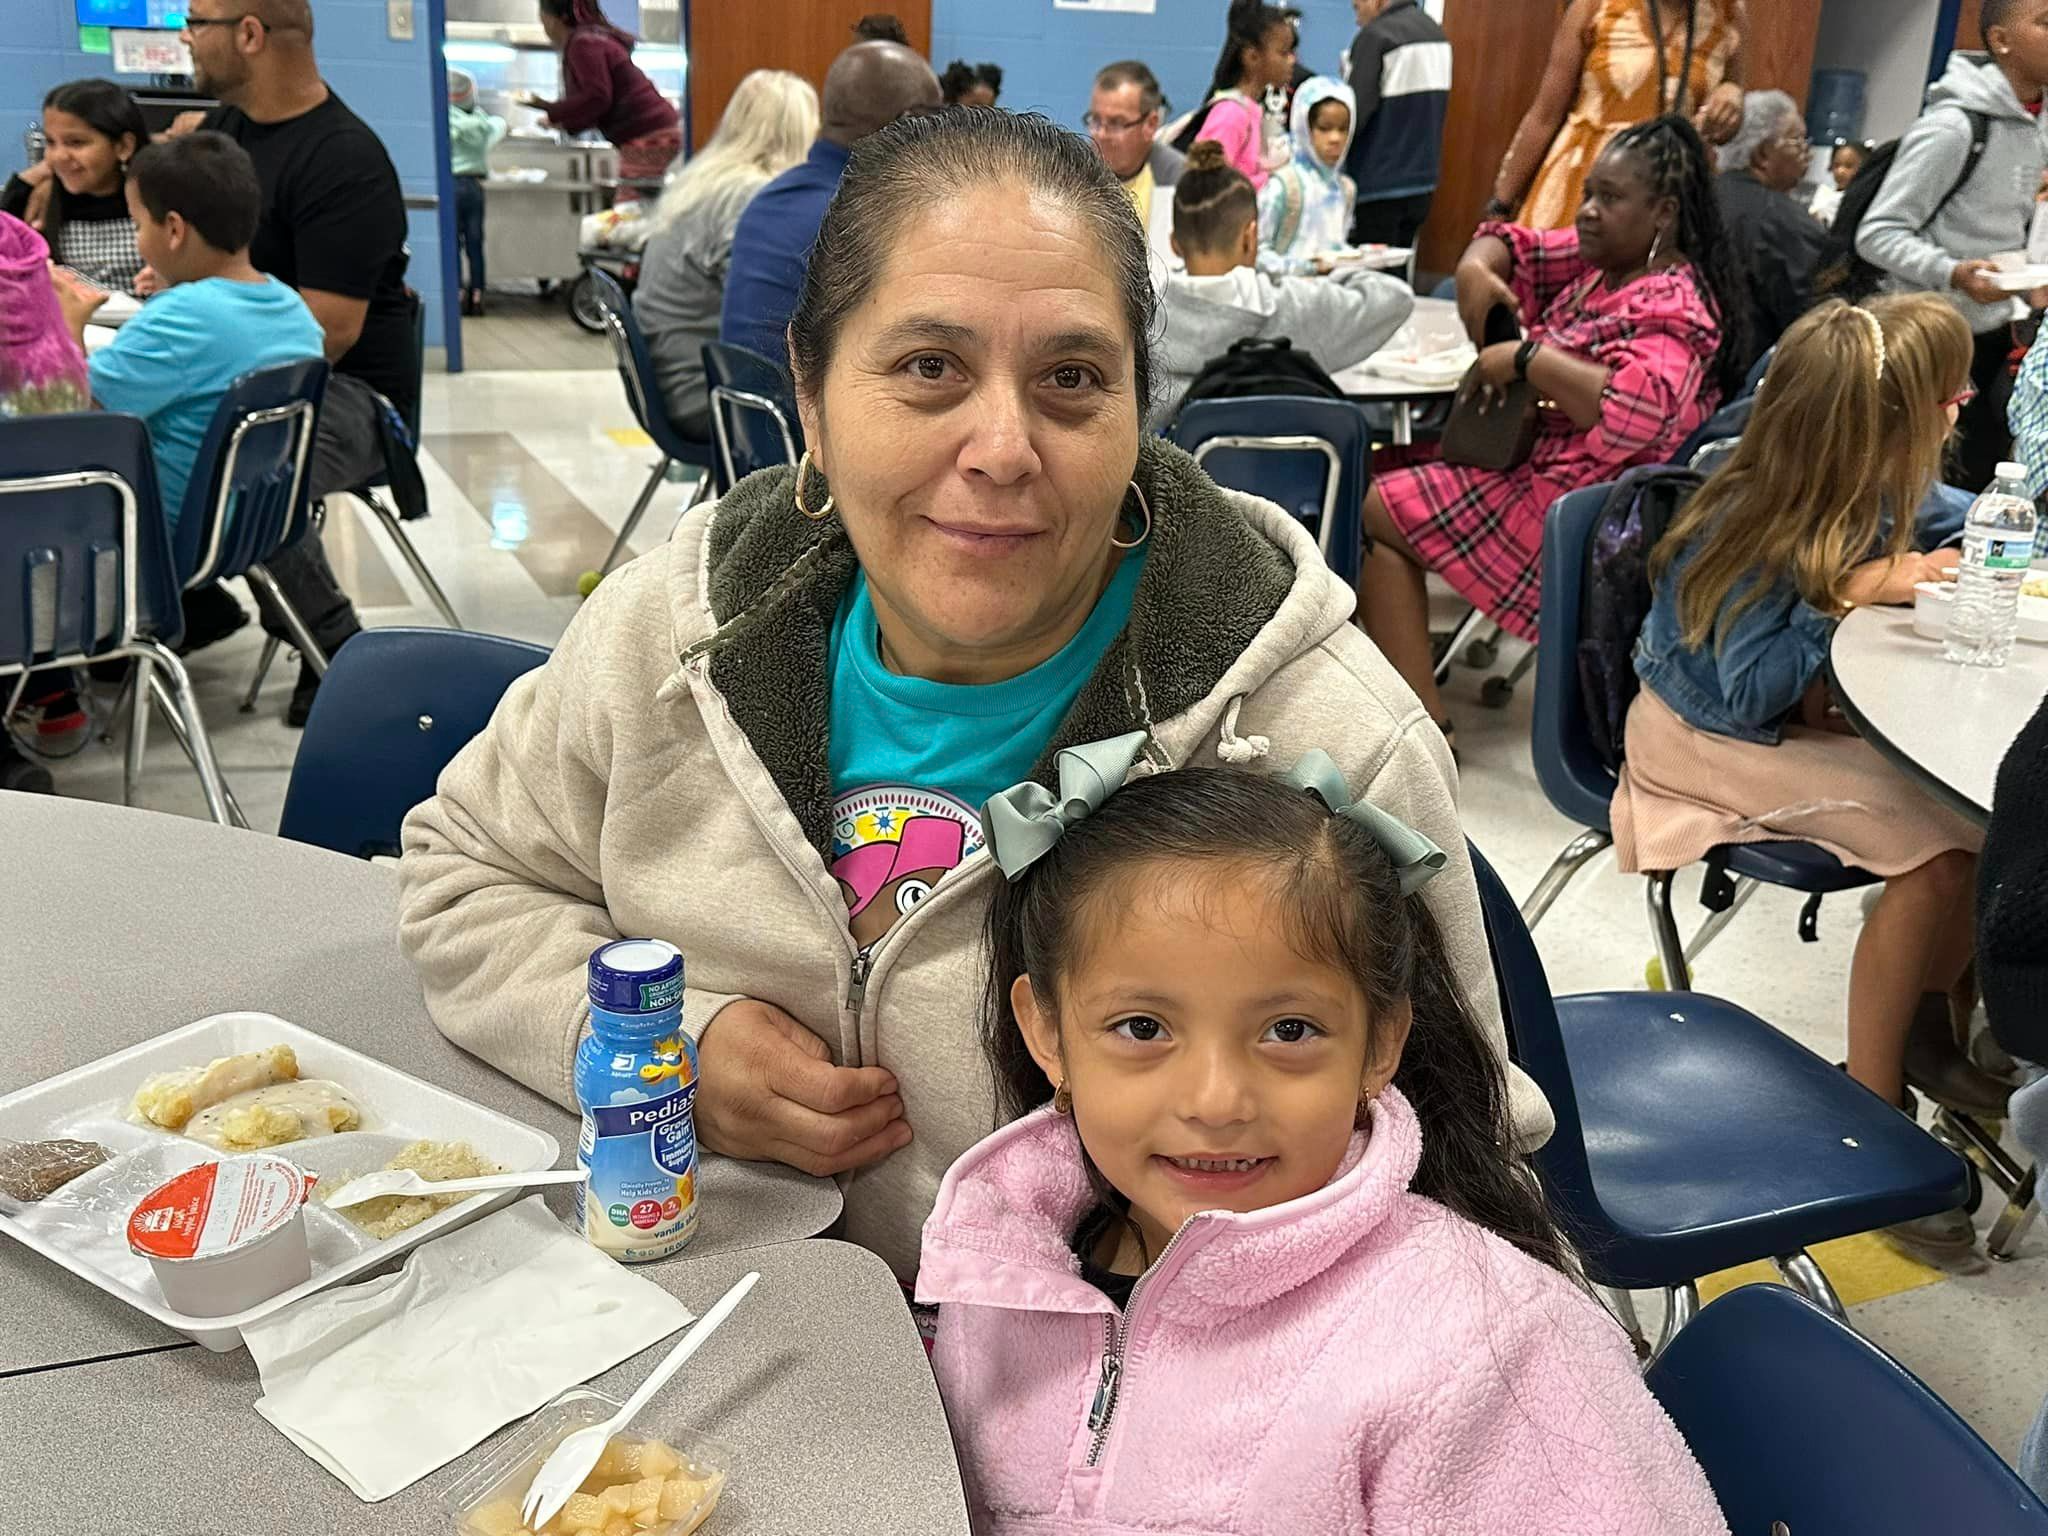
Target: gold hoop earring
x,y
1143,506
1062,1100
803,468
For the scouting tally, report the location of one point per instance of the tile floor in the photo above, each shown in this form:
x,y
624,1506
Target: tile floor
x,y
529,476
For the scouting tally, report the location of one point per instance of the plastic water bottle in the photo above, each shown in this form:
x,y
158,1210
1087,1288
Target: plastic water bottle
x,y
1998,546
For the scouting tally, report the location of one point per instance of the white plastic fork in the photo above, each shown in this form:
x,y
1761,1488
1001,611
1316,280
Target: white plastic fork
x,y
403,1181
563,1472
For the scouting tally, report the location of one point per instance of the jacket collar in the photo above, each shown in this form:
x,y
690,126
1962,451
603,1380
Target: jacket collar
x,y
1216,580
999,1234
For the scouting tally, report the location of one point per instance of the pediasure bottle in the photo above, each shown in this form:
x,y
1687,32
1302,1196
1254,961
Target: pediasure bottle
x,y
636,1083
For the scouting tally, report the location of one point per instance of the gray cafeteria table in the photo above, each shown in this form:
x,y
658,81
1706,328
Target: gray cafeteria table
x,y
1946,727
817,1382
1434,322
121,924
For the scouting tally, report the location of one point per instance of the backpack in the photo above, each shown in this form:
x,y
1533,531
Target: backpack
x,y
1841,272
1259,366
1640,507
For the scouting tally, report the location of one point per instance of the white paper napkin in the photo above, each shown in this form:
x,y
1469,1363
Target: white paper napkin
x,y
384,1382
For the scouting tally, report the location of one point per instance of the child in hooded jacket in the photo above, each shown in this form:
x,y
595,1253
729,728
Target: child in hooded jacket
x,y
1305,207
1263,1264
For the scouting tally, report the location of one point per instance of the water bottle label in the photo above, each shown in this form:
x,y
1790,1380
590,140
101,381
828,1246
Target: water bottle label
x,y
2008,554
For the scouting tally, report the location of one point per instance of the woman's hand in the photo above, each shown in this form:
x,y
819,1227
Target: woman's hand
x,y
1721,113
767,1092
529,99
1973,279
1496,367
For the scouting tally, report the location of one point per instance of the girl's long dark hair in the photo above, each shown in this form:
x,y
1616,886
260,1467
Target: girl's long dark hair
x,y
1248,23
106,109
1679,168
1343,904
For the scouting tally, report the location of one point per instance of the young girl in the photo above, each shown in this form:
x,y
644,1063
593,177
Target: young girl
x,y
1223,298
91,130
1258,56
1264,1261
1731,739
1843,165
1305,206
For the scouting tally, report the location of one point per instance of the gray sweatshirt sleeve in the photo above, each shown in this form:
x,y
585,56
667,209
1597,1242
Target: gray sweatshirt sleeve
x,y
1343,318
1893,235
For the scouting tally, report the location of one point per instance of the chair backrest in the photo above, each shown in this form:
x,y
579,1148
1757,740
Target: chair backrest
x,y
1310,456
754,422
248,496
1536,1044
85,559
636,369
1709,457
395,706
1575,779
1802,1425
1725,425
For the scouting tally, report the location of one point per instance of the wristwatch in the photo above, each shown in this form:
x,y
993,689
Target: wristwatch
x,y
1525,354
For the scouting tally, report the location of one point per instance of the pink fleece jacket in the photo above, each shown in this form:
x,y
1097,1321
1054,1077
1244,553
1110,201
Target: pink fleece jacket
x,y
1239,125
1357,1360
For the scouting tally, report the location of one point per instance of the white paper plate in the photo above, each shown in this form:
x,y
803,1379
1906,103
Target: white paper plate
x,y
91,1103
119,309
1380,258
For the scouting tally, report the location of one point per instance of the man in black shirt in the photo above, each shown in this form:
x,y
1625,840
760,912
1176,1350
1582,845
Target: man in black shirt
x,y
333,227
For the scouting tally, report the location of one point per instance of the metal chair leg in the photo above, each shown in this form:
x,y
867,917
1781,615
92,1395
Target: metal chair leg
x,y
271,646
701,493
1806,1277
139,676
2010,1230
1467,628
1963,1135
1664,930
1716,921
1623,1305
1559,875
302,637
1681,1306
182,711
633,517
396,529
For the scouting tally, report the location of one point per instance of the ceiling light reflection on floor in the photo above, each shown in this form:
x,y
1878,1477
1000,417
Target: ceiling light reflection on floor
x,y
509,527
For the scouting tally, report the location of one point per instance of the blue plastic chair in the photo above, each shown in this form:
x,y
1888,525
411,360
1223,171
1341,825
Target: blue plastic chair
x,y
643,394
1692,1136
754,420
86,571
1714,437
1803,1426
1578,782
396,706
1312,457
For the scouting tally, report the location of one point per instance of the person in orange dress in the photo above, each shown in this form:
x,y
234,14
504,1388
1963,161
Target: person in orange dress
x,y
1616,63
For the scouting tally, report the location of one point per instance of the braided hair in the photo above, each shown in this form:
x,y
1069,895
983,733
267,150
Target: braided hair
x,y
1676,161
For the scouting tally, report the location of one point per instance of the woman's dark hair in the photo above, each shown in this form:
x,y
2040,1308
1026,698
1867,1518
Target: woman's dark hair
x,y
880,27
104,108
1212,201
1246,27
1679,167
586,13
1342,901
961,77
917,163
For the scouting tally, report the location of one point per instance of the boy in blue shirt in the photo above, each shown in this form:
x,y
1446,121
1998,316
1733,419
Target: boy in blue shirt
x,y
195,201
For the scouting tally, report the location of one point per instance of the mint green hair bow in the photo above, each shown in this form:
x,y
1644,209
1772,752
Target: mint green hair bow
x,y
1024,822
1415,858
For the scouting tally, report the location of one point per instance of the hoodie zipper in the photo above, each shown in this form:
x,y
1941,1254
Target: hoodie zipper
x,y
1116,1334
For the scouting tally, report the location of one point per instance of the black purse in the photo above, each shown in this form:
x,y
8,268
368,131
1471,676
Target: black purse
x,y
1503,435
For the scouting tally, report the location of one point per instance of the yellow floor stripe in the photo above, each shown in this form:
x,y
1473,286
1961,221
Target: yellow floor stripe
x,y
1861,1268
629,437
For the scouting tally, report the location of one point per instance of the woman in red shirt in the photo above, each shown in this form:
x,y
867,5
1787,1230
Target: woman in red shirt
x,y
602,88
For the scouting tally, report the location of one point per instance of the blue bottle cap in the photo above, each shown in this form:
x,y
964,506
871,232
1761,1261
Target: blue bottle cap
x,y
636,976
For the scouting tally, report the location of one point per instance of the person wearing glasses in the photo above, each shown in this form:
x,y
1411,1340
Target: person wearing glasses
x,y
1124,112
1775,241
333,227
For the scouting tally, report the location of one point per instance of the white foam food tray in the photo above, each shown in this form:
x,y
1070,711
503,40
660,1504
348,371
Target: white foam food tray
x,y
82,1226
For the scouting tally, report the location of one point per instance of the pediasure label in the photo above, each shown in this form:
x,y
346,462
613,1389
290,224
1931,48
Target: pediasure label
x,y
216,1207
642,1158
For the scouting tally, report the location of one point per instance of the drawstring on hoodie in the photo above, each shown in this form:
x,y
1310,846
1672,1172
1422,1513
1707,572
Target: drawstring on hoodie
x,y
1235,749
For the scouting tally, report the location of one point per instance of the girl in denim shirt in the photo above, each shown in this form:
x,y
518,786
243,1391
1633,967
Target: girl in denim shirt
x,y
1732,740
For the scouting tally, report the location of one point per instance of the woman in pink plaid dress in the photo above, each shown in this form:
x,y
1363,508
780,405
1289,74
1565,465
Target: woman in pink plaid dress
x,y
1629,326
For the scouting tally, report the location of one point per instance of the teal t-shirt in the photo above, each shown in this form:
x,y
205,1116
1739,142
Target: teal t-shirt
x,y
914,761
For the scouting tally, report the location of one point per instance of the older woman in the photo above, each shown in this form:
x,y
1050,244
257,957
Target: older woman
x,y
1774,240
769,742
1632,338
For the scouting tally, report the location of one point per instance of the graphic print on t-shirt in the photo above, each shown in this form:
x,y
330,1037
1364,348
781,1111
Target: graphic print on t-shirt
x,y
891,843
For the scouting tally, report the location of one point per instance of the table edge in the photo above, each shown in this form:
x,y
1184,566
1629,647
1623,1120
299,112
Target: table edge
x,y
1943,792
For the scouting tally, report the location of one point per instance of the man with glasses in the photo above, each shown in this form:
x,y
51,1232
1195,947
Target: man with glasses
x,y
334,228
1776,242
1123,119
